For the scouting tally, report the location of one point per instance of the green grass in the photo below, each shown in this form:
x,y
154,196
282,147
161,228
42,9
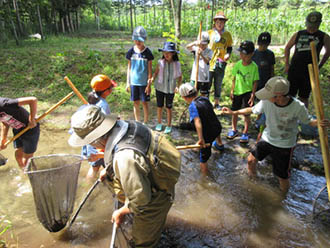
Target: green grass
x,y
37,68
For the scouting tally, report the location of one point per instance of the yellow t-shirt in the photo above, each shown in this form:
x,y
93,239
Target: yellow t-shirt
x,y
219,48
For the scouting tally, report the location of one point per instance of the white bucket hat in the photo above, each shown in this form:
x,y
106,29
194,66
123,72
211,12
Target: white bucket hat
x,y
89,124
276,86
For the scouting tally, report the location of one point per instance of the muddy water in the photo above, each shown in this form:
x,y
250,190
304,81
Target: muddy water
x,y
226,210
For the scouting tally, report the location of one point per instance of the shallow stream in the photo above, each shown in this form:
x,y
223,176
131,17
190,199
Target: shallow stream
x,y
226,210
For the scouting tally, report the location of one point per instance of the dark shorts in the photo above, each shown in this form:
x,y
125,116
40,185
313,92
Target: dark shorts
x,y
138,93
205,154
281,157
204,87
241,101
299,83
168,98
29,140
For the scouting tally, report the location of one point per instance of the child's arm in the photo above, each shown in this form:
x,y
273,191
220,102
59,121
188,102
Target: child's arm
x,y
199,129
326,42
148,89
206,60
244,111
32,102
324,123
232,89
251,100
128,80
178,84
155,75
287,49
4,135
190,46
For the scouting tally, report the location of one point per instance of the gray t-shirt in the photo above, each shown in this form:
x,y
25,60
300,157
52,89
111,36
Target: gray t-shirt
x,y
203,71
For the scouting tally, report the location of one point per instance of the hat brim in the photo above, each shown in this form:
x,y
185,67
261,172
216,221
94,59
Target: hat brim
x,y
220,17
138,38
107,124
170,51
264,94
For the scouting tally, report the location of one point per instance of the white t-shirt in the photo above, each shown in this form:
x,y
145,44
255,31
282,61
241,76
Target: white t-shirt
x,y
282,122
203,71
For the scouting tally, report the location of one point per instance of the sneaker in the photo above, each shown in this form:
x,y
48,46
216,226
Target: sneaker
x,y
244,138
218,147
167,130
159,127
232,134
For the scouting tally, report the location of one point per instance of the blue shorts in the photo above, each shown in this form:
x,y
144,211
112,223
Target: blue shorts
x,y
29,140
138,93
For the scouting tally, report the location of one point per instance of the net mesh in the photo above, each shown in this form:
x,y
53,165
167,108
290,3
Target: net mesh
x,y
54,183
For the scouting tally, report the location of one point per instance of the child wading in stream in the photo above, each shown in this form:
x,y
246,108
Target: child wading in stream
x,y
12,114
206,123
280,135
168,73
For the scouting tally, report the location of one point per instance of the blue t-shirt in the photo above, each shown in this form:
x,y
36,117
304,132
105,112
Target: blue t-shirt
x,y
193,112
264,60
139,65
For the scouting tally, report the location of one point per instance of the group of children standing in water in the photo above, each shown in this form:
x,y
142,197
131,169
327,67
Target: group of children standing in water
x,y
253,75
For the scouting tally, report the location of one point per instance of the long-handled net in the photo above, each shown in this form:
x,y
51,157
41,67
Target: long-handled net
x,y
54,183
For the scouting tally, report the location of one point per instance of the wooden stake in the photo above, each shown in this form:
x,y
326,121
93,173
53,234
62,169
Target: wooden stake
x,y
75,90
197,58
190,146
318,104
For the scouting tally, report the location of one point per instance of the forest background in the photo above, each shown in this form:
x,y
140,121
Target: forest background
x,y
41,41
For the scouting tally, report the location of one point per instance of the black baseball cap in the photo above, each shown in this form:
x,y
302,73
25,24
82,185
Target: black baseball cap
x,y
246,47
264,38
314,18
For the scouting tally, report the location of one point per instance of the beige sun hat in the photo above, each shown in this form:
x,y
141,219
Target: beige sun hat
x,y
88,124
276,86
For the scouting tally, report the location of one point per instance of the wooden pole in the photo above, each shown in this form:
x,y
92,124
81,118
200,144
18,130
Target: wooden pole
x,y
190,146
75,90
40,117
318,103
197,57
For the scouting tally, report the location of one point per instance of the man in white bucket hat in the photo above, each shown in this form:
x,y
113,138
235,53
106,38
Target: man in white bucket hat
x,y
145,167
279,138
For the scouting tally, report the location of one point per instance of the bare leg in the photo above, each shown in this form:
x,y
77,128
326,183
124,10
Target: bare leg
x,y
159,114
145,111
246,123
284,185
92,172
204,168
218,139
169,117
22,158
234,119
136,109
252,165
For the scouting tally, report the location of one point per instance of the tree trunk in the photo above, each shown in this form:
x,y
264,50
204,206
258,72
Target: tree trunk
x,y
134,13
176,8
62,23
40,24
163,16
131,14
12,26
154,6
18,18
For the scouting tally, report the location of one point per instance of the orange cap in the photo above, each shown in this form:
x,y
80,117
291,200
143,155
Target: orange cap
x,y
102,82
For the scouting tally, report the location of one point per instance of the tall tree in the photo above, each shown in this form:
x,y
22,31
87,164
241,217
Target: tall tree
x,y
176,9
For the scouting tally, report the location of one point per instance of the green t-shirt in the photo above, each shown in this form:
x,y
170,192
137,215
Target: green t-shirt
x,y
245,75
